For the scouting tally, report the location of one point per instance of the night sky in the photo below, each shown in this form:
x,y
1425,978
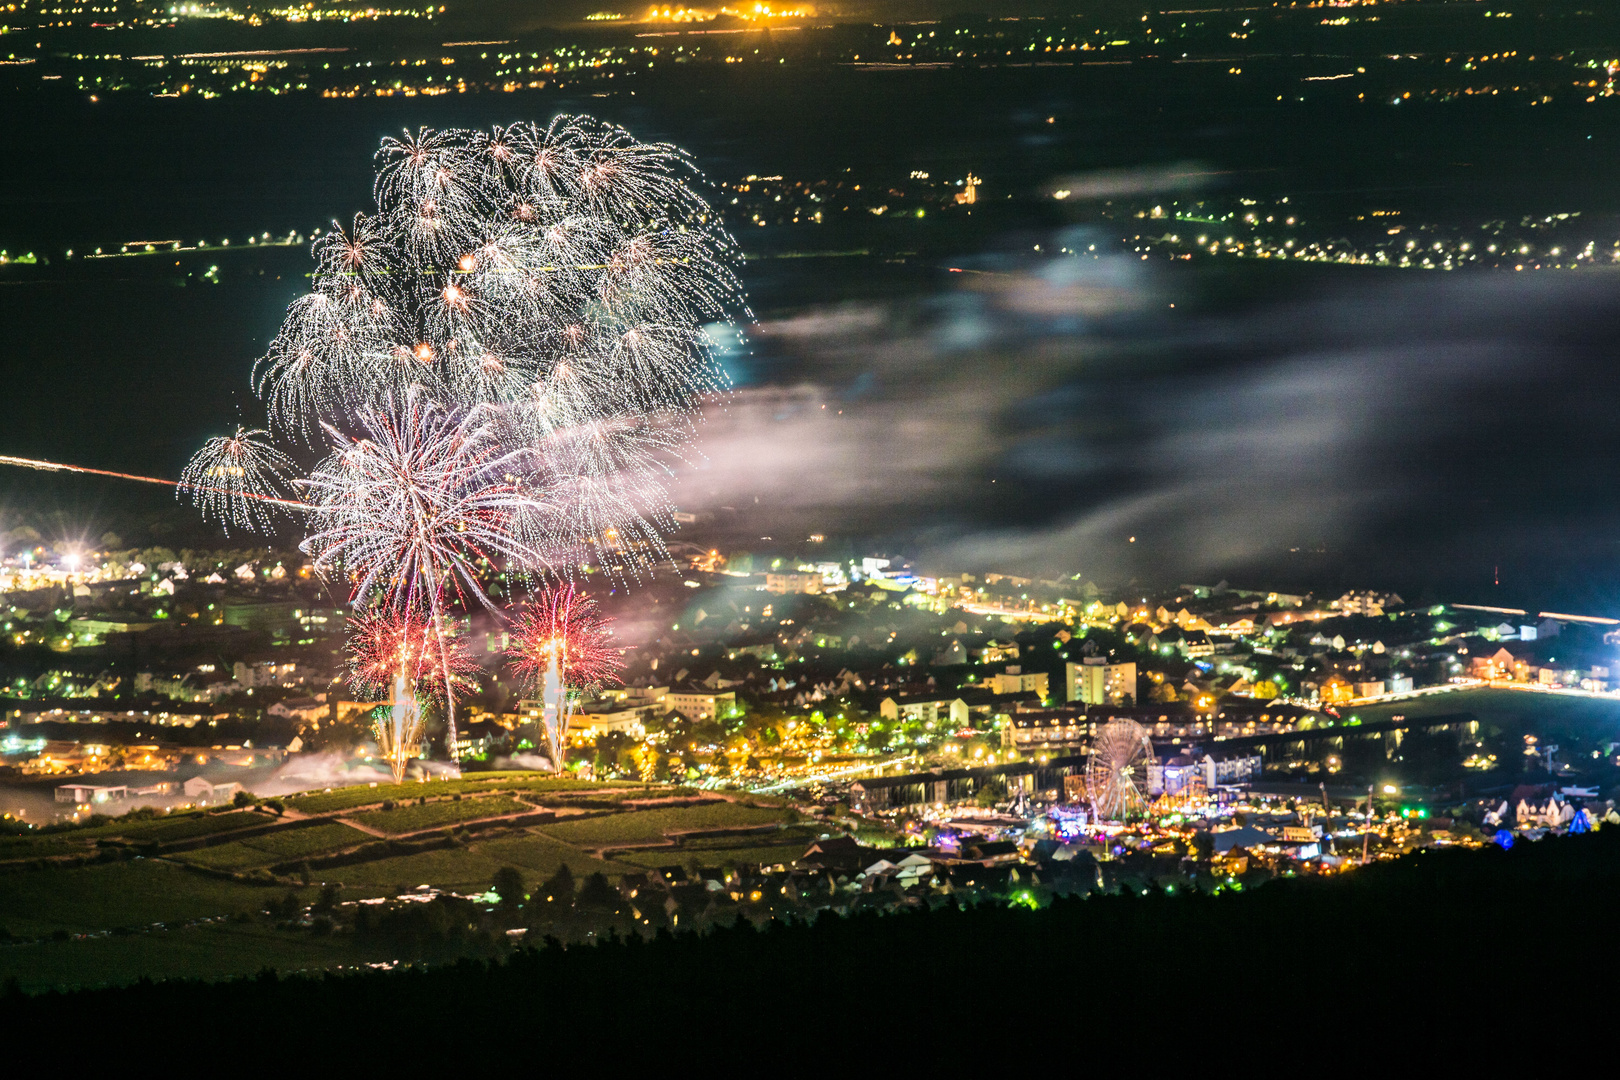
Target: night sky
x,y
1319,428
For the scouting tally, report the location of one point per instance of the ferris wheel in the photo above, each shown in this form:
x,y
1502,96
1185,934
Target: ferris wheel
x,y
1117,771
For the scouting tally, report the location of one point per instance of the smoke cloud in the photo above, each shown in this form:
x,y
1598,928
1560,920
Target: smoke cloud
x,y
1095,416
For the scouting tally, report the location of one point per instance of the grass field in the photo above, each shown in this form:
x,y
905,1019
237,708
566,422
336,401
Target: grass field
x,y
281,846
639,826
783,847
1553,714
314,840
406,819
205,952
161,830
38,847
232,856
539,857
463,869
134,893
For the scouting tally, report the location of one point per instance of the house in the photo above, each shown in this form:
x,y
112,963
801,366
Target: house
x,y
90,794
995,652
204,791
300,708
926,711
1174,774
988,852
1015,681
783,584
1196,643
1500,665
833,853
1336,690
594,720
701,704
286,673
1049,729
1367,603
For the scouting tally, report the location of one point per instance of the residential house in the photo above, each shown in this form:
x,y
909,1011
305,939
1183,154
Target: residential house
x,y
1014,680
926,710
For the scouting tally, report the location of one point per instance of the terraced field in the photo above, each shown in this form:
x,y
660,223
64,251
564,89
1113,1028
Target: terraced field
x,y
281,846
159,830
404,819
339,799
651,826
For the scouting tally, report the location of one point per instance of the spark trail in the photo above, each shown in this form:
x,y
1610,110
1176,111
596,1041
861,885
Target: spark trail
x,y
57,466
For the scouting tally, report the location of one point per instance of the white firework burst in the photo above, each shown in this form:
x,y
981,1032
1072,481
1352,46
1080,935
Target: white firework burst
x,y
503,362
423,502
237,478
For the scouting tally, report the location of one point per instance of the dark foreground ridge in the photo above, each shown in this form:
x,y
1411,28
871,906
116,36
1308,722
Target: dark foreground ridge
x,y
1433,936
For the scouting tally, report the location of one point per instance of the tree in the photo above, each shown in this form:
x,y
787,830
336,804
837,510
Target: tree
x,y
243,799
560,888
508,885
598,894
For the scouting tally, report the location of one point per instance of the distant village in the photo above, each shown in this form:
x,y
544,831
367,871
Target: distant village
x,y
916,736
748,669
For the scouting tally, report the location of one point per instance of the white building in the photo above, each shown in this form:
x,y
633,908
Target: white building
x,y
204,791
1015,681
1097,682
90,794
926,710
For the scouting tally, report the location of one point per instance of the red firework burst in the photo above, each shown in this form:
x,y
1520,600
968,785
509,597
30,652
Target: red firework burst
x,y
383,645
563,623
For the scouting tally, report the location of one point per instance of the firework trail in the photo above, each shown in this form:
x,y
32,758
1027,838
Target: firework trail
x,y
235,492
502,363
399,729
52,466
560,646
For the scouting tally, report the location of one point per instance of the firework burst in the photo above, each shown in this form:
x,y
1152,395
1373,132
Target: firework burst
x,y
384,645
561,646
413,662
237,478
502,364
425,501
561,626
